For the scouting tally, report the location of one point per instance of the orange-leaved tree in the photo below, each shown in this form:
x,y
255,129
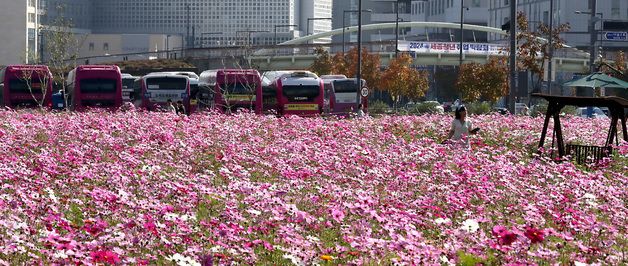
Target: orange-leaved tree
x,y
401,80
348,65
483,81
322,64
532,47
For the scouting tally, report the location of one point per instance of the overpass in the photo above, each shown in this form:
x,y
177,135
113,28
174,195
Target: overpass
x,y
291,55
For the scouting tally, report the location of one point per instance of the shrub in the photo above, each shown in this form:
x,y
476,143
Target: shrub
x,y
478,108
428,107
378,107
541,108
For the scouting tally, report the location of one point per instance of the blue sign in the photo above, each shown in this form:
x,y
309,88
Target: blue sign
x,y
616,36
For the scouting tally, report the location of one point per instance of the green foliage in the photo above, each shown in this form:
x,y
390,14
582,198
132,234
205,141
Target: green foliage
x,y
209,208
322,64
541,108
427,107
478,108
378,107
465,259
75,215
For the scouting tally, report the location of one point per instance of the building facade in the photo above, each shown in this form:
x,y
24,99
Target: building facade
x,y
212,23
565,11
19,30
383,11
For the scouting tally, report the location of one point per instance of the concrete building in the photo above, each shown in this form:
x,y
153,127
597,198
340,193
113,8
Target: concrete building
x,y
564,12
19,31
382,11
98,48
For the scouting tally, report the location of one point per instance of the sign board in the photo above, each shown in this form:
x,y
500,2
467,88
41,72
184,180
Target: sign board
x,y
615,36
364,92
452,47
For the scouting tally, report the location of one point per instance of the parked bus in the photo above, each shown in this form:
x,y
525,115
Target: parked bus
x,y
194,88
94,86
25,86
300,93
269,91
130,93
345,95
233,89
157,88
329,91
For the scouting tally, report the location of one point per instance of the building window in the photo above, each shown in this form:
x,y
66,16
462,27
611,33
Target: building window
x,y
105,46
505,2
615,8
91,46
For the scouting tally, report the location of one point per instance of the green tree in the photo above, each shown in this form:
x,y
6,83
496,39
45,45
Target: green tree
x,y
322,65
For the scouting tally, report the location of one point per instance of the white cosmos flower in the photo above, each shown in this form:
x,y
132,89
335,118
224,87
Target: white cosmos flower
x,y
470,225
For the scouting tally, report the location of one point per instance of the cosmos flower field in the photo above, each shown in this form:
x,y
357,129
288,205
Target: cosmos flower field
x,y
157,189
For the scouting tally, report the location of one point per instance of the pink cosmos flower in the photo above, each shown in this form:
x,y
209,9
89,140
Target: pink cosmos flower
x,y
104,256
535,235
337,215
504,237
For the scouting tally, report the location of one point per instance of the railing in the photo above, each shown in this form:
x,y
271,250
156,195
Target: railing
x,y
584,154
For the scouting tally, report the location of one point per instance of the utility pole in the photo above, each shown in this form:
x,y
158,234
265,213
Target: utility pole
x,y
461,28
513,56
593,6
551,48
358,78
397,29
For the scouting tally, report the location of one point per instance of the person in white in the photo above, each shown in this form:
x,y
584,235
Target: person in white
x,y
170,107
361,112
461,128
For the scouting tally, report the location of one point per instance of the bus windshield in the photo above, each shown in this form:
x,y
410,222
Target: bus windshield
x,y
98,85
345,86
128,83
294,92
166,83
20,85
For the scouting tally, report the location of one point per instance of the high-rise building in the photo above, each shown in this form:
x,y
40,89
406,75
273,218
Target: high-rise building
x,y
19,31
212,23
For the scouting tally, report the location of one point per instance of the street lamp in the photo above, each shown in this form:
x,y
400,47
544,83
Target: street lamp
x,y
307,33
281,26
397,27
344,25
592,22
207,33
358,78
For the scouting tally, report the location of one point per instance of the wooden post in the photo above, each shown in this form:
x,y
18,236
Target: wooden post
x,y
559,132
548,114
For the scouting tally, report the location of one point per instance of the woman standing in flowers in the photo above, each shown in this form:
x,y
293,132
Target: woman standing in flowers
x,y
461,128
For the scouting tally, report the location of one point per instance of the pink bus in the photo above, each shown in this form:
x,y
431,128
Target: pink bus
x,y
344,96
300,93
26,86
228,90
94,86
158,88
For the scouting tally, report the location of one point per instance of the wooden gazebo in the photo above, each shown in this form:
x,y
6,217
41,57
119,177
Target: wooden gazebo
x,y
615,106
